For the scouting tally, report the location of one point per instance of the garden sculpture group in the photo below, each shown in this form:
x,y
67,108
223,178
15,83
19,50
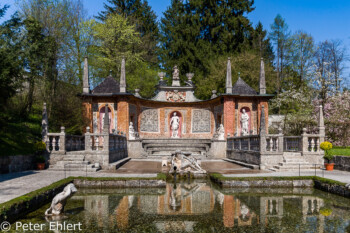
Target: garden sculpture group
x,y
59,201
185,162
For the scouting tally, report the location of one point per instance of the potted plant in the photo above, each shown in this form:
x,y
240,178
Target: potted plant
x,y
40,162
326,146
39,158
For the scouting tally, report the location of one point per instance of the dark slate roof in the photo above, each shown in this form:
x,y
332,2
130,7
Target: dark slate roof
x,y
108,85
242,88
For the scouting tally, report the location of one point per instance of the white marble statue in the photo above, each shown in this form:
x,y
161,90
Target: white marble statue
x,y
185,163
221,132
59,201
175,124
245,123
131,132
176,74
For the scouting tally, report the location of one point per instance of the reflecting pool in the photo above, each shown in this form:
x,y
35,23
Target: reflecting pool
x,y
199,207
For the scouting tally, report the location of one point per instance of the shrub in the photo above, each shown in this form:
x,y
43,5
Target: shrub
x,y
40,146
40,159
326,146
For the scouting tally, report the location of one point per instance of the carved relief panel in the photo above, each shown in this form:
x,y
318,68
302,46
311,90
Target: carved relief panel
x,y
175,96
201,121
149,120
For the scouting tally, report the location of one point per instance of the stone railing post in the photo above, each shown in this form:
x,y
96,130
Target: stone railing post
x,y
280,140
62,142
106,130
87,139
262,132
321,127
304,142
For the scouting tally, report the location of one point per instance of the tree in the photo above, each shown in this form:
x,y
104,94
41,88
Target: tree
x,y
140,14
300,55
279,35
11,62
262,44
194,32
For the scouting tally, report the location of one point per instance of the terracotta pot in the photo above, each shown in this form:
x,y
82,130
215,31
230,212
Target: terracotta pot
x,y
329,166
40,166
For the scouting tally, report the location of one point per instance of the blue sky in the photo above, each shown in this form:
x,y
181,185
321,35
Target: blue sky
x,y
323,19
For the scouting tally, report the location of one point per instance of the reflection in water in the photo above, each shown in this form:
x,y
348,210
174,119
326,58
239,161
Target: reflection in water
x,y
195,207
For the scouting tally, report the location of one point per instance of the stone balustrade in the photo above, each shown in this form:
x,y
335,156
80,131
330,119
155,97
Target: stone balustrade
x,y
245,143
61,142
276,143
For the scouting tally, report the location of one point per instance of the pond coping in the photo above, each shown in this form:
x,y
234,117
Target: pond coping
x,y
328,185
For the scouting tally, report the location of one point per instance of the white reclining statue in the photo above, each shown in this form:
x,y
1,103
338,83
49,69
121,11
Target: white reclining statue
x,y
59,201
182,162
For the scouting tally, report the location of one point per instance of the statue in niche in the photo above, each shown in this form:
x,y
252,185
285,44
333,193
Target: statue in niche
x,y
131,132
221,132
176,74
185,162
244,123
59,201
175,125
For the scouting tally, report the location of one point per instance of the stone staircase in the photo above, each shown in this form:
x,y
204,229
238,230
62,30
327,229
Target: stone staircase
x,y
157,148
74,161
291,162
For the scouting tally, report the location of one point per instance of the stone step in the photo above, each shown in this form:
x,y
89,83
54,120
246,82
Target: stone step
x,y
73,162
158,145
292,167
294,164
291,154
74,167
174,149
178,140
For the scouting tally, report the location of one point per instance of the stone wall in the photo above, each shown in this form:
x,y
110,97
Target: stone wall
x,y
245,156
342,163
16,163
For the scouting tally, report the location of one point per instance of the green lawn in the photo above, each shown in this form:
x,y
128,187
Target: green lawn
x,y
340,151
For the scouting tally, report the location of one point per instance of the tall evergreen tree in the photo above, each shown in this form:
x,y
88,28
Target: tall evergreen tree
x,y
196,32
140,14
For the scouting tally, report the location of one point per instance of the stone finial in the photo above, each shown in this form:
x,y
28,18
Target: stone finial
x,y
87,129
262,83
63,129
228,77
280,131
262,121
137,94
304,130
122,77
44,124
106,120
86,85
189,76
213,94
161,76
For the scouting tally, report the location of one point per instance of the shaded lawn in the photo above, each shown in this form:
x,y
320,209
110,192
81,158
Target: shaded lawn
x,y
17,137
340,151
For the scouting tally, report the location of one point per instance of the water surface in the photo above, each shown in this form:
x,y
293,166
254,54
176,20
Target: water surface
x,y
200,207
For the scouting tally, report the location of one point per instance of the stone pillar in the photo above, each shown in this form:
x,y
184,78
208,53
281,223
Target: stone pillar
x,y
106,130
304,141
321,127
44,124
86,85
262,131
137,94
229,77
280,140
62,145
262,84
122,77
88,139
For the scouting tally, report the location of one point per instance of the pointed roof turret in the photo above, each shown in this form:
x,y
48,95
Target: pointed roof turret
x,y
242,88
